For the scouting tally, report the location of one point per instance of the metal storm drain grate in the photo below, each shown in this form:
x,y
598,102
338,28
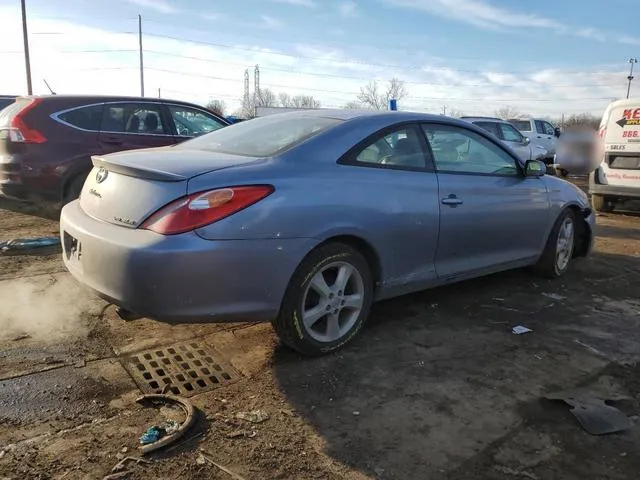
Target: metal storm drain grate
x,y
185,369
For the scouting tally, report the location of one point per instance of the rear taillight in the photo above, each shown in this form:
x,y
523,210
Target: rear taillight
x,y
20,132
204,208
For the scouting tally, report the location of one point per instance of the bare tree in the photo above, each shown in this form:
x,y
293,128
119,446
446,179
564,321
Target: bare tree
x,y
285,99
298,101
266,98
217,106
353,106
372,96
507,113
455,113
579,121
304,101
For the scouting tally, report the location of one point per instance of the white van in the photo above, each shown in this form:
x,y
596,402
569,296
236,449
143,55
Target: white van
x,y
617,179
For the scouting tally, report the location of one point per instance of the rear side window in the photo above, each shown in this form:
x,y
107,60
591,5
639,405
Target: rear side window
x,y
136,118
522,125
85,118
491,127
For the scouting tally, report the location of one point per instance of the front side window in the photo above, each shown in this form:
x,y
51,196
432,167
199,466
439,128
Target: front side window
x,y
190,122
86,118
140,118
262,137
510,134
458,150
548,128
540,127
399,148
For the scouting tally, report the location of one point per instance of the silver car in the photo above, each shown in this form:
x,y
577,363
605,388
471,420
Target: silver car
x,y
511,137
307,218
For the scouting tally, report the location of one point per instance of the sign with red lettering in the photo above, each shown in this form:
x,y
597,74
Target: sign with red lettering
x,y
630,116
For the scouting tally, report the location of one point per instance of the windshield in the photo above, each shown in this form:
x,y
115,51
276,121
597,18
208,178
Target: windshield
x,y
522,125
262,137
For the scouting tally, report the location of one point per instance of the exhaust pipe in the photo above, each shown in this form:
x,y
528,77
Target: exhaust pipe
x,y
126,315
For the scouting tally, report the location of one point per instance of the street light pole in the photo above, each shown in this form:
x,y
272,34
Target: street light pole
x,y
632,61
25,37
141,56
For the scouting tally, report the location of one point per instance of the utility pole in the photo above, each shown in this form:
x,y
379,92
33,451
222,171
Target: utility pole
x,y
141,56
632,61
444,110
159,95
25,37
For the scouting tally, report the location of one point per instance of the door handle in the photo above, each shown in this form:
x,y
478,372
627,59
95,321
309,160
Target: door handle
x,y
452,201
112,141
539,136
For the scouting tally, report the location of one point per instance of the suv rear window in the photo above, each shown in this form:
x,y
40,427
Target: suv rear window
x,y
522,125
7,114
86,118
625,162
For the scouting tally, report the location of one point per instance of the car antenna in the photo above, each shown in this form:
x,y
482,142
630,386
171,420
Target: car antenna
x,y
48,86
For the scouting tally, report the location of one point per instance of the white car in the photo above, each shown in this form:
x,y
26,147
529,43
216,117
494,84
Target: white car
x,y
510,136
617,178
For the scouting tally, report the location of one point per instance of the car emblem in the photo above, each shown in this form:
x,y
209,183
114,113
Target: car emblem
x,y
101,176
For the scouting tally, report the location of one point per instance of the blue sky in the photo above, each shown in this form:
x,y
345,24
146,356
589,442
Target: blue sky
x,y
475,56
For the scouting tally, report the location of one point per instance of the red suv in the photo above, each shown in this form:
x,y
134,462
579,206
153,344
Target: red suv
x,y
46,143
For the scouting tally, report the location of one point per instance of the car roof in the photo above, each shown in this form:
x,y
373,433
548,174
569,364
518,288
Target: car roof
x,y
484,119
107,98
349,114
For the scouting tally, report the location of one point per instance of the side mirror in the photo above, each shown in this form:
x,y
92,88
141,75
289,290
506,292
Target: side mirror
x,y
557,132
534,168
526,140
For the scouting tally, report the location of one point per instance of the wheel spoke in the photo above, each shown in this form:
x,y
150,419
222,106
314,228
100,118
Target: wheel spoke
x,y
319,284
333,326
344,274
311,316
353,302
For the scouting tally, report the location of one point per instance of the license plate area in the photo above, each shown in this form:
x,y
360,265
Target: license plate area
x,y
72,247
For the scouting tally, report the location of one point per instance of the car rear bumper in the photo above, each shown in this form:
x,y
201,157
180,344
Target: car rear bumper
x,y
179,278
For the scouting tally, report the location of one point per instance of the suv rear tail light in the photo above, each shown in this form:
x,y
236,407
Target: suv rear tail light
x,y
20,132
203,208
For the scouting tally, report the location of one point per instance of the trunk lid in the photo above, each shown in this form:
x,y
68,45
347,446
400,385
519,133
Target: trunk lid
x,y
125,188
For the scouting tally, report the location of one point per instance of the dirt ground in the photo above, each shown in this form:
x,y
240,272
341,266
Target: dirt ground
x,y
436,387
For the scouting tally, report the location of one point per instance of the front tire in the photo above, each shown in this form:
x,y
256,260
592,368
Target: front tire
x,y
602,204
327,301
560,246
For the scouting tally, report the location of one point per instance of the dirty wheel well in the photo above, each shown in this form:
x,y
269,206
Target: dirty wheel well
x,y
365,249
582,237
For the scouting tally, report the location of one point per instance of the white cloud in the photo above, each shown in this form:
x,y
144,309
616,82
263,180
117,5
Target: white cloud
x,y
298,3
162,6
348,8
198,72
270,22
484,14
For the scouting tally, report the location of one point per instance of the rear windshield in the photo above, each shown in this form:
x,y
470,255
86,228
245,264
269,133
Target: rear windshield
x,y
522,125
7,114
262,137
5,101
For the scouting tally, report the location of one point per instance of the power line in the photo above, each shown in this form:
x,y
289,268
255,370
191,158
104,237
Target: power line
x,y
306,88
343,60
329,75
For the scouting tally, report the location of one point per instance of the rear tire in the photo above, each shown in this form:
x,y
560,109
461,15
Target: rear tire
x,y
327,301
74,188
602,204
558,252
